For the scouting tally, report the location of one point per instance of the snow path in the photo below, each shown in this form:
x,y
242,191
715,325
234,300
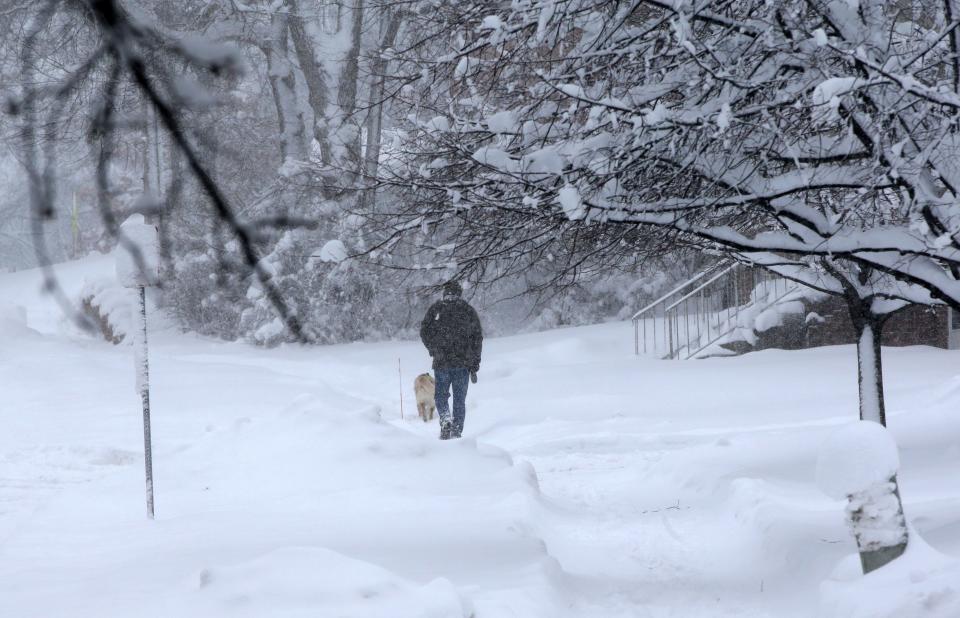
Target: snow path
x,y
589,483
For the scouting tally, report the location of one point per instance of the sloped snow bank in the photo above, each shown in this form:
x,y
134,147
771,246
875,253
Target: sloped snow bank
x,y
922,583
13,322
271,503
293,582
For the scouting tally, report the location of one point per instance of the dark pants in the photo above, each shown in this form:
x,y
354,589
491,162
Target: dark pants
x,y
458,378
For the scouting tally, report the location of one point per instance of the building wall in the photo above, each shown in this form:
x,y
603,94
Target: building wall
x,y
915,325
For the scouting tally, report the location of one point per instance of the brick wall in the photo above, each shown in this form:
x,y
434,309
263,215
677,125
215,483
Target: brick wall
x,y
915,325
918,325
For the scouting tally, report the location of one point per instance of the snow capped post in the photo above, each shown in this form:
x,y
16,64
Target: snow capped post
x,y
860,462
138,267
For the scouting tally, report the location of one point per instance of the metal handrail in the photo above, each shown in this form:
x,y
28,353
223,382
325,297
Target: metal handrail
x,y
714,319
639,316
703,286
665,297
792,287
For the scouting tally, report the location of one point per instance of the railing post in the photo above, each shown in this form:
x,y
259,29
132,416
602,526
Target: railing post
x,y
702,316
645,335
670,330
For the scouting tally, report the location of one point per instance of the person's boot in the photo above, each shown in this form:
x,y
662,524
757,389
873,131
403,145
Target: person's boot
x,y
456,431
446,429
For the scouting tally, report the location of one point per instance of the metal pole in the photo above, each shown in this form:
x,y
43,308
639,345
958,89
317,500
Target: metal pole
x,y
701,316
645,335
400,377
156,149
143,385
654,317
670,331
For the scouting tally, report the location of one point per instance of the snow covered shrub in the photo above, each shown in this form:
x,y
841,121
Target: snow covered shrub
x,y
335,299
108,306
202,297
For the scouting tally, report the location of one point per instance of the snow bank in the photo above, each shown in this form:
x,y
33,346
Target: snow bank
x,y
13,322
922,583
271,503
311,581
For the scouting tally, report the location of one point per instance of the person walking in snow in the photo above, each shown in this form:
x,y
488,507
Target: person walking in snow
x,y
452,335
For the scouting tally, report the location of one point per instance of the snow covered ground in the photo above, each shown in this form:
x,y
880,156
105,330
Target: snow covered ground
x,y
589,482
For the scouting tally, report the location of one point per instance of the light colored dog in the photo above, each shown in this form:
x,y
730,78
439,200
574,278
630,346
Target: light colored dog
x,y
424,388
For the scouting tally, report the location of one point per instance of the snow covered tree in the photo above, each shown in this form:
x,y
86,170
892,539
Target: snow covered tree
x,y
226,161
817,139
820,132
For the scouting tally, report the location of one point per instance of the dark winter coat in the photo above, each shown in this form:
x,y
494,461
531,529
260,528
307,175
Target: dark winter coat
x,y
452,334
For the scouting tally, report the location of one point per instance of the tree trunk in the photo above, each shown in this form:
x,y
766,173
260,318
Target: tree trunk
x,y
294,143
876,516
879,526
378,69
348,131
870,370
314,77
147,184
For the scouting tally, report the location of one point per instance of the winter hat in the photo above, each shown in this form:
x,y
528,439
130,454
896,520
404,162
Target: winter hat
x,y
452,289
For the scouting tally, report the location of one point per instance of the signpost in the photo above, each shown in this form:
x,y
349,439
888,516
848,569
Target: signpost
x,y
138,268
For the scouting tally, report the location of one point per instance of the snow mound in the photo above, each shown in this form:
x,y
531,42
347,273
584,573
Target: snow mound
x,y
313,581
13,321
921,582
856,457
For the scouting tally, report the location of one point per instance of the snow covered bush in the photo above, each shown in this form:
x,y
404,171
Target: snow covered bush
x,y
336,299
202,297
108,305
